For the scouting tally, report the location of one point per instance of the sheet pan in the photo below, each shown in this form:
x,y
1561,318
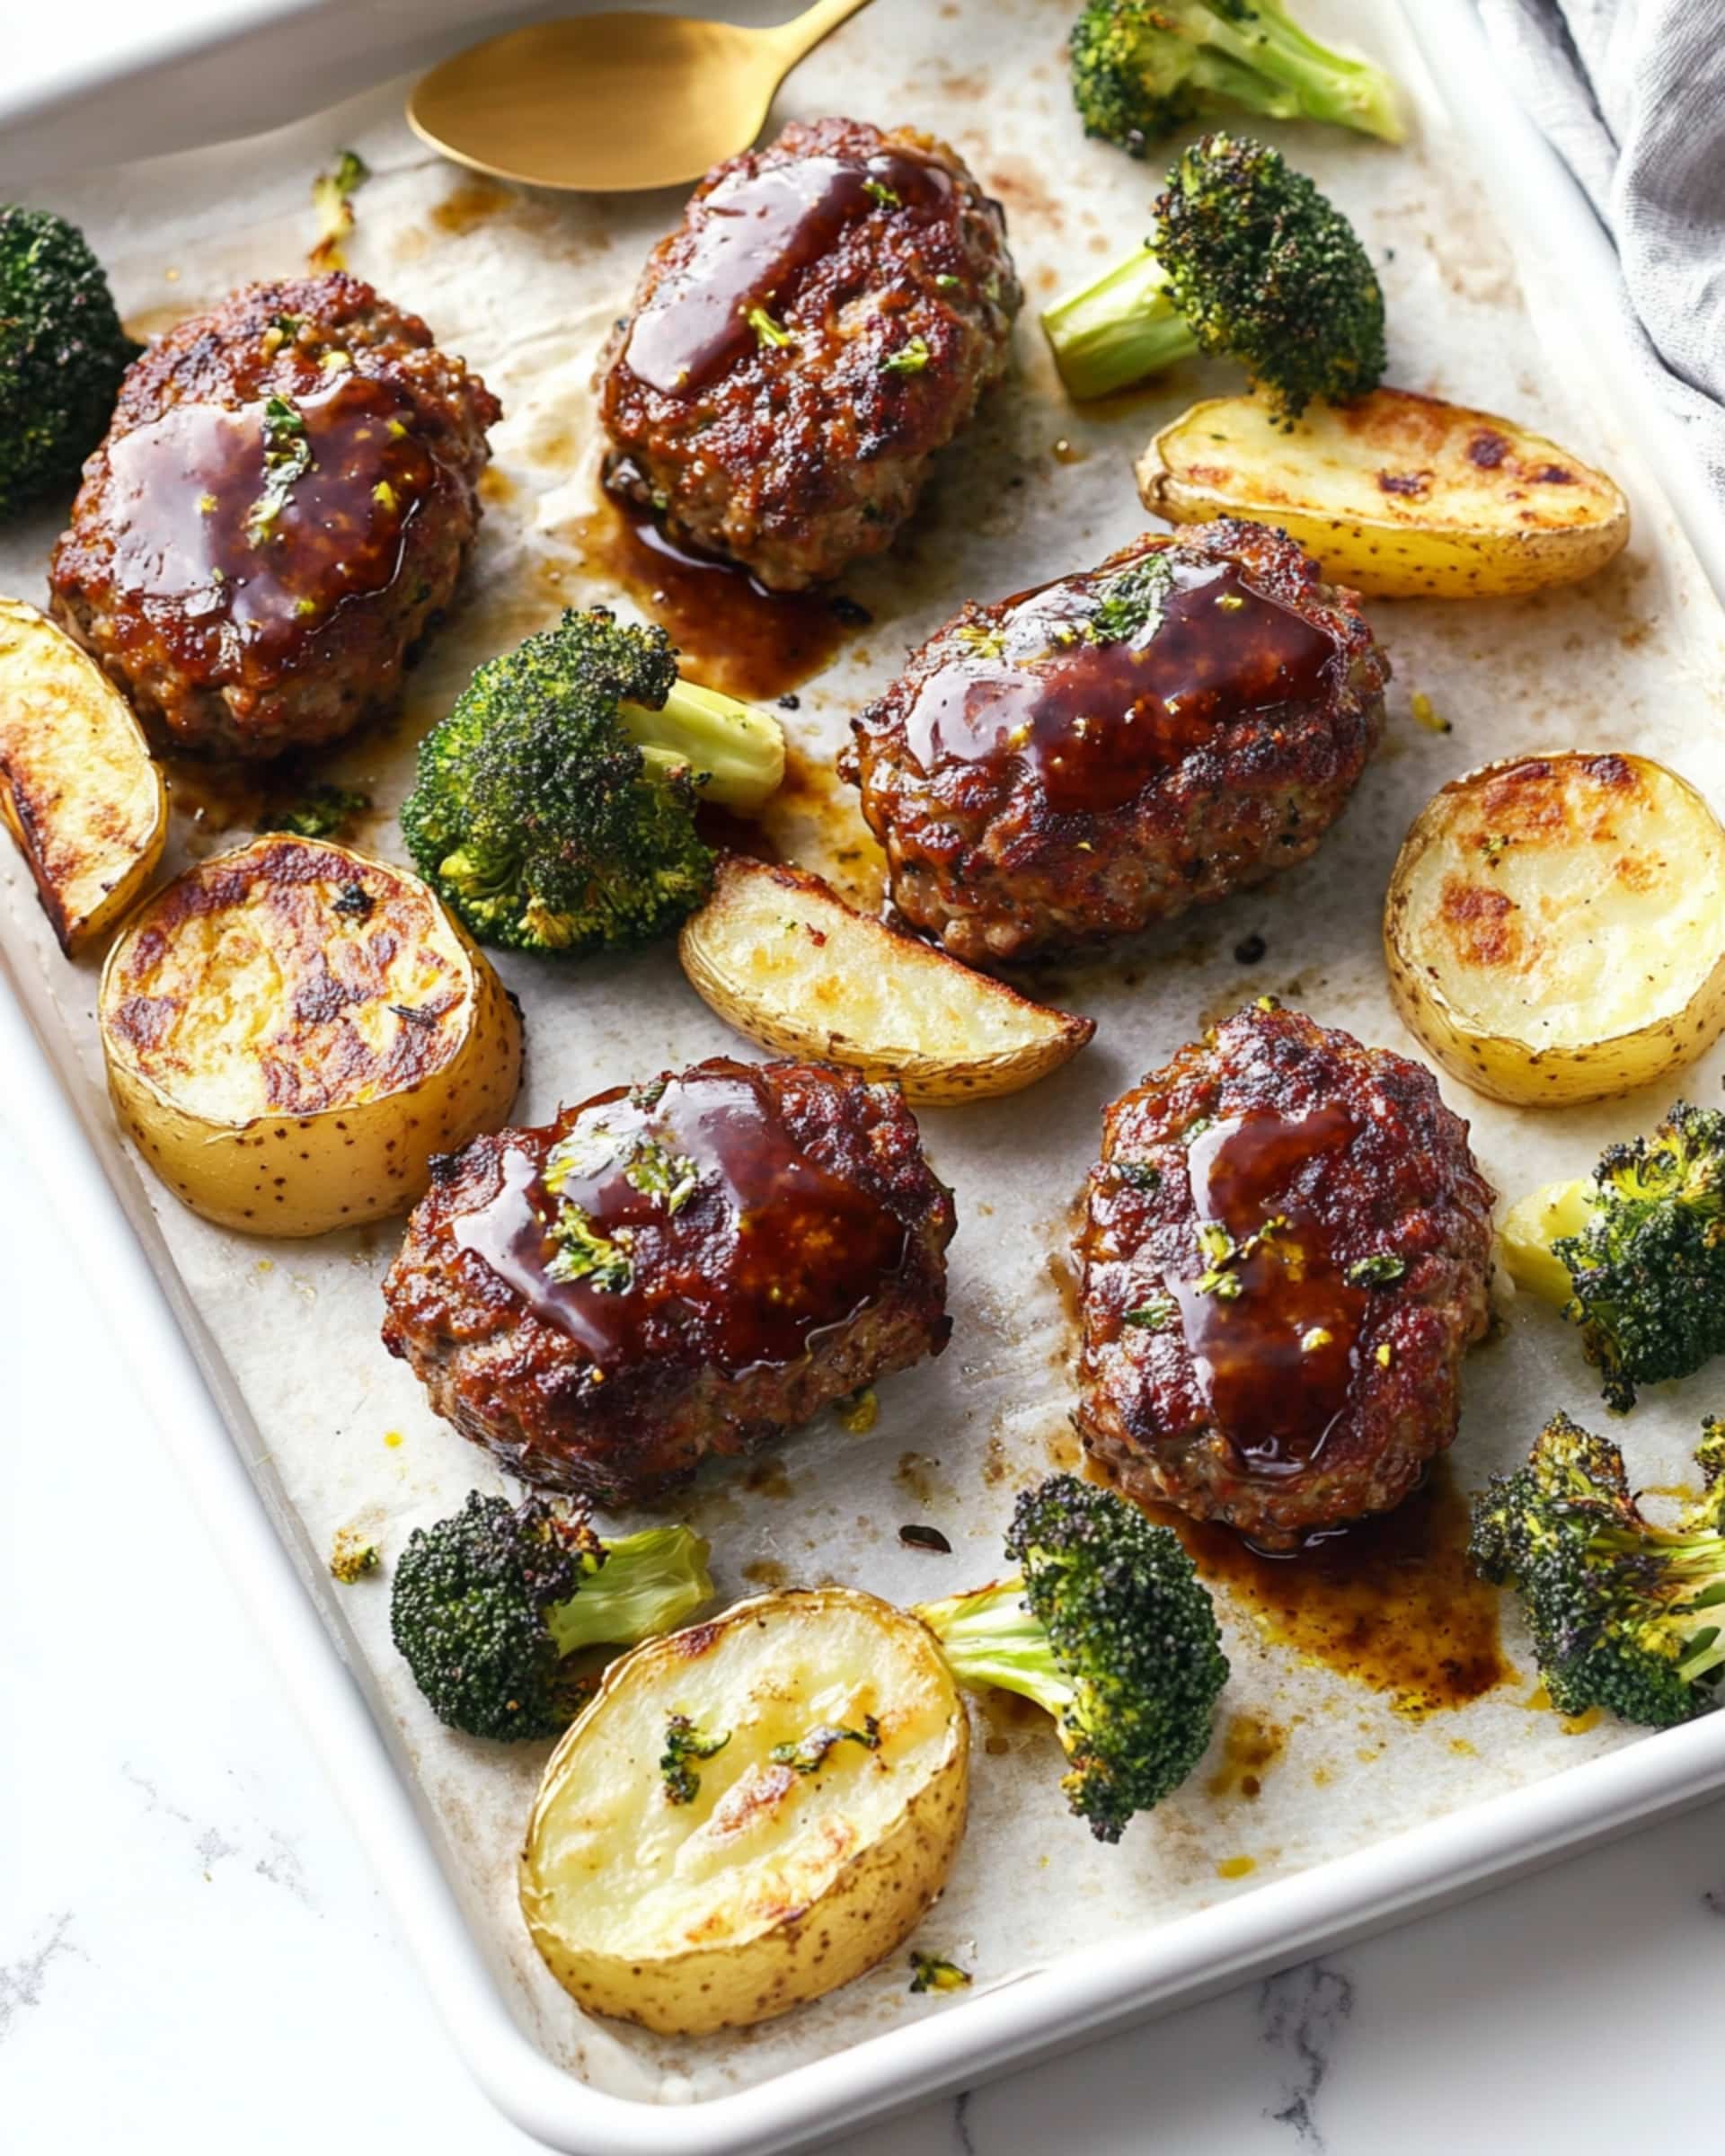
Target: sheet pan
x,y
263,1358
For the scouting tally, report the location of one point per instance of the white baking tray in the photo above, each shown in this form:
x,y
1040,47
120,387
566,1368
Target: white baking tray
x,y
204,1426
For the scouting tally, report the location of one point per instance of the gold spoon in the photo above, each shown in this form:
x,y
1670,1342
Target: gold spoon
x,y
610,102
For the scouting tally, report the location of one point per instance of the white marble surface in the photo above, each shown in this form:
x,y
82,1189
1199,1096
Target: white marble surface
x,y
193,1955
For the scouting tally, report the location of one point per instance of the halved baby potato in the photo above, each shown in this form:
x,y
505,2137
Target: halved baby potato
x,y
1397,496
1555,927
779,955
78,787
748,1813
292,1030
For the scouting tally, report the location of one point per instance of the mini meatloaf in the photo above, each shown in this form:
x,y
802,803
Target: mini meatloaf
x,y
282,505
824,318
690,1267
1102,752
1284,1259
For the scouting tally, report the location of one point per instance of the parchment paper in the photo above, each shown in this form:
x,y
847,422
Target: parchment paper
x,y
525,285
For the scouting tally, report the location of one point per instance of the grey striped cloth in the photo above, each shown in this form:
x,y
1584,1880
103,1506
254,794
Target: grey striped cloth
x,y
1631,96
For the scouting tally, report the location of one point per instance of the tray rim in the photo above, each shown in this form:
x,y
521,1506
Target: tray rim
x,y
1038,2011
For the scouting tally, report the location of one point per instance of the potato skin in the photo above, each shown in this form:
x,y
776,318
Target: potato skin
x,y
292,1030
780,955
865,1902
79,789
1397,495
1468,939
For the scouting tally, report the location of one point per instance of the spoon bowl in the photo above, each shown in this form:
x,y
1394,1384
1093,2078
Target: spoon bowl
x,y
613,102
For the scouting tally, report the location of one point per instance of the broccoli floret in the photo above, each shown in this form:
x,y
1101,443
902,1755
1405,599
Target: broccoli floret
x,y
1248,261
321,811
1141,69
487,1605
62,353
1107,1625
1636,1258
554,805
1624,1614
332,194
352,1555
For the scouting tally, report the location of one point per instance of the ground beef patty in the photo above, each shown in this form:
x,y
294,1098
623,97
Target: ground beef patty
x,y
1284,1259
1083,759
283,503
824,318
685,1267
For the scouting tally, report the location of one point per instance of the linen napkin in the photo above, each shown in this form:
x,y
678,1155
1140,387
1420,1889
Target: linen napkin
x,y
1631,96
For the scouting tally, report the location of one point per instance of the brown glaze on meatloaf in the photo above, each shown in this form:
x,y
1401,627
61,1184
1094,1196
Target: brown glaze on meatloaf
x,y
283,503
824,318
1055,770
1284,1259
690,1267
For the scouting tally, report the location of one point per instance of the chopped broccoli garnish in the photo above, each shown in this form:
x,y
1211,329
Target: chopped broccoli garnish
x,y
1107,1626
684,1743
934,1972
321,811
62,353
807,1754
286,459
488,1604
1248,261
554,805
1141,69
1636,1258
1128,605
352,1555
333,195
1625,1615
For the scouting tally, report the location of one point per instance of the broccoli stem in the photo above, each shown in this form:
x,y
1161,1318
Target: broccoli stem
x,y
1118,330
1270,48
648,1584
735,751
990,1637
1530,1228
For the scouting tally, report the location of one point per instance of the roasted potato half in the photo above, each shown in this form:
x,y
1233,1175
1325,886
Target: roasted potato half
x,y
1399,496
780,955
78,787
1555,927
292,1030
748,1813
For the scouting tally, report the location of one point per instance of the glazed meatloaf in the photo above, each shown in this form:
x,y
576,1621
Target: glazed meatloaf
x,y
824,318
1284,1259
1102,752
282,505
685,1267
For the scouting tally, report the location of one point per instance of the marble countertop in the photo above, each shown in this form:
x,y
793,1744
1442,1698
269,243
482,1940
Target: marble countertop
x,y
193,1954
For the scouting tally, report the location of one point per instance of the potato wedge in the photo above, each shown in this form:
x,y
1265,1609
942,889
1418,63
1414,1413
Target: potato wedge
x,y
768,1883
1555,927
779,955
79,789
1397,496
292,1030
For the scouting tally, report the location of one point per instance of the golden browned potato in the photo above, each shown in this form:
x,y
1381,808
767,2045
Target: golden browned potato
x,y
292,1030
748,1813
78,787
780,955
1555,928
1397,496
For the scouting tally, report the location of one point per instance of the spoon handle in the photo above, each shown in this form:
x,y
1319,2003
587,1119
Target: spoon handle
x,y
804,32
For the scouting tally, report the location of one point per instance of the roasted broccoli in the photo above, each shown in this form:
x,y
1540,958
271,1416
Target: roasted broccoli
x,y
1625,1615
1248,261
62,353
321,811
1106,1625
1636,1257
332,194
1140,68
488,1604
554,805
